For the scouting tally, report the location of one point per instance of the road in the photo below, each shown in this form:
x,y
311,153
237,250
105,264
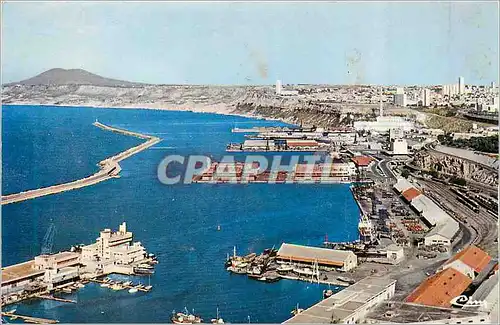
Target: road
x,y
108,168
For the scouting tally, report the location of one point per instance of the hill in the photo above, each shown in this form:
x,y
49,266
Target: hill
x,y
73,77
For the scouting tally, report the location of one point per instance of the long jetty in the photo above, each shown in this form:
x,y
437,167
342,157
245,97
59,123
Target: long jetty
x,y
29,319
108,168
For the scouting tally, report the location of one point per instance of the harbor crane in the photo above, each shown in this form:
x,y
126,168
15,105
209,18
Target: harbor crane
x,y
48,240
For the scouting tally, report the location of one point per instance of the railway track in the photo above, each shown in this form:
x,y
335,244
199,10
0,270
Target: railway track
x,y
484,224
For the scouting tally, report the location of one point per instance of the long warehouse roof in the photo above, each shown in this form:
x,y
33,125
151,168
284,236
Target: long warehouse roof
x,y
307,253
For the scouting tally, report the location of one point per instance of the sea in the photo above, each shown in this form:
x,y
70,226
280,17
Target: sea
x,y
45,145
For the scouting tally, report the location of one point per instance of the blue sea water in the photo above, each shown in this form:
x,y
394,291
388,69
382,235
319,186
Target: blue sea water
x,y
45,145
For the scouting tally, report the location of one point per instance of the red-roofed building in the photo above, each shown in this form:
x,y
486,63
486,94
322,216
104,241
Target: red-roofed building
x,y
411,193
362,161
439,289
470,261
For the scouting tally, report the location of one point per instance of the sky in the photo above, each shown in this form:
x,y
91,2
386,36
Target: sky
x,y
255,43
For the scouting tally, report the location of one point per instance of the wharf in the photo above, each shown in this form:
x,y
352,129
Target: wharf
x,y
57,299
29,319
315,280
124,286
108,168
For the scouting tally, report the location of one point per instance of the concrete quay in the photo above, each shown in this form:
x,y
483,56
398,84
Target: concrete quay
x,y
108,168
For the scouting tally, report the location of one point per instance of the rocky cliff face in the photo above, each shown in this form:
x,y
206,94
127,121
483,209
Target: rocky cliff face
x,y
455,166
253,100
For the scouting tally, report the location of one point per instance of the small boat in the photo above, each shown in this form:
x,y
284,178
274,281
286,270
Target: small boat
x,y
327,293
272,278
304,271
127,283
284,268
116,287
148,287
133,290
139,286
218,228
146,266
296,310
185,318
347,280
143,270
105,285
66,290
217,320
81,285
236,270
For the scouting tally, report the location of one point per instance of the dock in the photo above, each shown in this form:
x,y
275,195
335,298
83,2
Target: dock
x,y
57,299
315,280
108,168
29,319
123,286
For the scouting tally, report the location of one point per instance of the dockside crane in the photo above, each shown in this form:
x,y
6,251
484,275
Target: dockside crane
x,y
48,240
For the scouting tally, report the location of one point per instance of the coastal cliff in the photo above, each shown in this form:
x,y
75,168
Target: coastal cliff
x,y
259,101
459,167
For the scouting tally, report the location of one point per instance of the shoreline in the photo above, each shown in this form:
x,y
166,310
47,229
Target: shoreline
x,y
154,107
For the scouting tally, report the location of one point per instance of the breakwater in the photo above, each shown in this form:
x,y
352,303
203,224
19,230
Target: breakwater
x,y
108,168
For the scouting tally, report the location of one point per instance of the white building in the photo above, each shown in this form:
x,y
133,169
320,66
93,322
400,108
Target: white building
x,y
345,169
351,305
278,87
282,92
461,85
54,277
384,124
450,90
114,246
396,133
395,253
399,147
400,97
442,234
426,97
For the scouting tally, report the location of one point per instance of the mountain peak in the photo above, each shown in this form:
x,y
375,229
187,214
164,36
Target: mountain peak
x,y
59,76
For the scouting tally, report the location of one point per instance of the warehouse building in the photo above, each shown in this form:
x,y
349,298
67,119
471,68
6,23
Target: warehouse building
x,y
439,290
444,228
410,194
402,185
342,260
442,234
258,144
470,261
487,292
351,305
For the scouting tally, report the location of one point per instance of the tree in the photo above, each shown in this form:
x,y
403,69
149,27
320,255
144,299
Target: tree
x,y
405,173
458,181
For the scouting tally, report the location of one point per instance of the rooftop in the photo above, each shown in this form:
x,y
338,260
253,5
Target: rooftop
x,y
402,185
19,271
396,312
411,193
311,254
447,229
438,290
472,256
362,161
344,303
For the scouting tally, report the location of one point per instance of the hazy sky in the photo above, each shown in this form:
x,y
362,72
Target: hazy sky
x,y
255,43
